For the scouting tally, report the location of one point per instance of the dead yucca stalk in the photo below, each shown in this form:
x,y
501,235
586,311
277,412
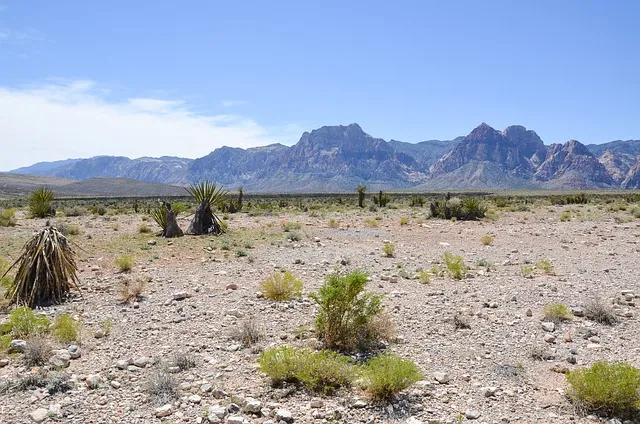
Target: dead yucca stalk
x,y
47,270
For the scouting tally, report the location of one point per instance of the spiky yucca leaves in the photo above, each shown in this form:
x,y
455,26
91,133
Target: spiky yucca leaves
x,y
207,190
40,202
159,216
46,272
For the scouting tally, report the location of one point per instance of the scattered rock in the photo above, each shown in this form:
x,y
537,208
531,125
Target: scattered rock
x,y
488,391
253,406
471,414
181,295
232,286
74,351
548,326
284,415
549,338
17,346
60,359
164,411
39,415
195,399
93,381
441,377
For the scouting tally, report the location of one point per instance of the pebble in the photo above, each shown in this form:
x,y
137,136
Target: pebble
x,y
93,381
549,338
4,362
359,404
253,406
471,414
232,286
181,295
217,411
235,419
60,359
39,415
74,351
99,334
141,361
195,399
115,384
488,391
548,326
284,415
577,311
441,377
164,411
17,345
152,242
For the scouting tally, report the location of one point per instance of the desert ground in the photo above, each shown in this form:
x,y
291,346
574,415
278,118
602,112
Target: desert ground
x,y
506,368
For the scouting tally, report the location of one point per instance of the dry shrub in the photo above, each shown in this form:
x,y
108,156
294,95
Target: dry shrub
x,y
131,290
37,352
599,311
248,332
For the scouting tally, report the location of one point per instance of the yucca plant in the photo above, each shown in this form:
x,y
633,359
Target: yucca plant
x,y
40,202
46,271
206,190
159,216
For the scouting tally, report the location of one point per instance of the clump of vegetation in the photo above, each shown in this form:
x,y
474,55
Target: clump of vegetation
x,y
389,250
74,211
8,218
183,361
162,387
371,222
131,291
159,216
65,329
461,322
290,226
46,271
466,209
322,372
37,352
52,382
144,229
23,323
73,230
362,190
404,220
124,263
424,276
416,201
345,320
455,266
106,325
387,375
540,353
487,240
545,266
248,332
599,311
333,223
557,312
40,203
611,389
293,236
281,287
5,280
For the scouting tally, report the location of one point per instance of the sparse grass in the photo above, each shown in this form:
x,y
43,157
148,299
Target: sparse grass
x,y
106,325
527,271
57,382
455,266
322,372
404,220
131,291
73,230
248,332
183,361
371,222
293,236
600,311
333,223
387,375
346,312
540,353
281,287
461,322
608,389
288,227
389,250
487,240
545,266
124,263
424,276
65,329
565,216
557,312
162,387
37,352
241,253
144,229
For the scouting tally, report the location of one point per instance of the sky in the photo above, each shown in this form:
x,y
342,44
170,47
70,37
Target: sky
x,y
153,78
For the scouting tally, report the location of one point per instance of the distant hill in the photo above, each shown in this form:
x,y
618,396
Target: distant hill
x,y
338,158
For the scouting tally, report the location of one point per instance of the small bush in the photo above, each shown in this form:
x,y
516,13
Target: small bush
x,y
333,223
183,361
487,240
557,312
455,266
131,291
387,375
389,250
248,332
8,218
424,276
346,312
124,263
281,287
37,352
545,266
65,329
404,220
416,201
293,236
540,353
162,387
241,253
73,230
40,203
606,388
527,271
144,229
288,227
74,211
23,323
461,322
322,372
371,222
599,311
106,325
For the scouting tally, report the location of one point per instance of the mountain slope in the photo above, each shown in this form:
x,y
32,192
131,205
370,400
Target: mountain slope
x,y
43,168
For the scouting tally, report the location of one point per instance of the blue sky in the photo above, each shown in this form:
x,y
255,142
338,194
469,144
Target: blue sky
x,y
79,78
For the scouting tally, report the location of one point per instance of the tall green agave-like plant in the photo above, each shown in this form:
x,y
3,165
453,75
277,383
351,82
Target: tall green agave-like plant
x,y
207,190
40,202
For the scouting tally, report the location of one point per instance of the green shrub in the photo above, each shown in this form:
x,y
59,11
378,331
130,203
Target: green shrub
x,y
65,329
40,203
468,208
241,253
290,226
333,223
371,222
281,287
124,263
424,276
455,266
404,220
106,325
23,323
389,250
293,236
557,312
144,229
527,271
347,312
388,375
73,230
636,211
322,372
8,218
545,266
606,388
416,201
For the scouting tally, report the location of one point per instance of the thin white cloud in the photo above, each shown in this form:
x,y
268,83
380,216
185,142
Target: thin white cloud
x,y
230,103
75,119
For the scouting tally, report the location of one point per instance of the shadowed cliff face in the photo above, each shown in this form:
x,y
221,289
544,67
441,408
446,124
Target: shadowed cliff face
x,y
632,181
338,158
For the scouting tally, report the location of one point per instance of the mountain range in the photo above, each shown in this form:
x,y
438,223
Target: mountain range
x,y
338,158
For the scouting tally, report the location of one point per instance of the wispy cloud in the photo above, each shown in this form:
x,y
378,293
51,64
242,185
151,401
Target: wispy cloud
x,y
64,119
230,103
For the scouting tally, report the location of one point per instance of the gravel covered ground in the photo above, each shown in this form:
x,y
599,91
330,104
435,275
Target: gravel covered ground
x,y
198,294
